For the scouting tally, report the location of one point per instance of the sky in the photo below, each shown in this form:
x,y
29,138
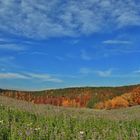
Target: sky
x,y
69,43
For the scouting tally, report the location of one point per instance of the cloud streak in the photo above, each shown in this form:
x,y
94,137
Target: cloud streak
x,y
137,71
12,47
12,76
100,73
43,77
44,19
117,42
106,73
30,76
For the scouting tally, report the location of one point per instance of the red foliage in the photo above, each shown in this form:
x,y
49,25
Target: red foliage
x,y
77,101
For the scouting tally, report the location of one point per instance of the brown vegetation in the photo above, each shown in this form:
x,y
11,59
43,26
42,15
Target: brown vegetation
x,y
100,98
125,100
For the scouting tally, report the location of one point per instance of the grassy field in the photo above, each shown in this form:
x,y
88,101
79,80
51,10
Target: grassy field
x,y
21,120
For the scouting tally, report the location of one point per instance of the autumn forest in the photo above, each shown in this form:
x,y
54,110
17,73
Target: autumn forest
x,y
90,97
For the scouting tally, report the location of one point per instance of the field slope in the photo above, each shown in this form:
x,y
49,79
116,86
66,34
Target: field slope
x,y
24,120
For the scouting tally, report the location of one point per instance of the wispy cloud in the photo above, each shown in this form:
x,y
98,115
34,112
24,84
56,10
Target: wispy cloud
x,y
100,73
43,19
8,62
38,53
12,47
60,58
75,41
4,40
30,76
12,44
117,42
137,71
6,59
44,77
105,73
86,71
109,73
12,76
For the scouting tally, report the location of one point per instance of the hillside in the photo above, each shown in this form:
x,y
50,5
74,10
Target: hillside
x,y
129,99
25,120
70,97
122,114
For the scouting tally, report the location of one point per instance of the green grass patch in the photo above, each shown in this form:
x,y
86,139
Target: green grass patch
x,y
20,125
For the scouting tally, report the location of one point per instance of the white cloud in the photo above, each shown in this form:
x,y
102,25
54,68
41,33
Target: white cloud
x,y
11,47
38,53
30,76
106,73
43,18
100,73
117,42
12,76
13,44
44,77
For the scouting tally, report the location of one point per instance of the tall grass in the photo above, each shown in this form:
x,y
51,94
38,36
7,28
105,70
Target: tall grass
x,y
21,125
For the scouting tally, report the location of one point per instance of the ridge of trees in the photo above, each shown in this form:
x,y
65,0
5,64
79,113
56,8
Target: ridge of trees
x,y
125,100
98,97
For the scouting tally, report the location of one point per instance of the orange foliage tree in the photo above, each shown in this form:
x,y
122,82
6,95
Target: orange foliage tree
x,y
125,100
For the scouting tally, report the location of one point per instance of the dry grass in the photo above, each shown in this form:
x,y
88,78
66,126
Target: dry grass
x,y
131,113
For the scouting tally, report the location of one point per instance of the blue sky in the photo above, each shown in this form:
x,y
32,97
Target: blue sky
x,y
55,44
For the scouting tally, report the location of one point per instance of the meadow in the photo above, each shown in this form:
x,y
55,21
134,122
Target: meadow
x,y
20,120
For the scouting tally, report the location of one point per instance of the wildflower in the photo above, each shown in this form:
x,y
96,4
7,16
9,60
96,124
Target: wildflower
x,y
1,122
81,132
38,128
29,124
